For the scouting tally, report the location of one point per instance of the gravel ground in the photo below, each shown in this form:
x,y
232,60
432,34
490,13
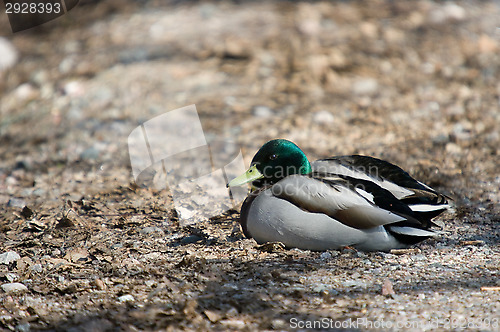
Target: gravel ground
x,y
84,248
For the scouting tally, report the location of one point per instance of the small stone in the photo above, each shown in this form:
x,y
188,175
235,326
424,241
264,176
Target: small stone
x,y
453,148
387,288
23,327
325,255
36,268
184,213
9,54
150,230
354,283
320,288
99,284
323,117
487,44
90,154
150,283
26,92
16,202
365,86
126,298
262,112
14,288
450,12
9,257
236,324
74,89
441,139
279,324
369,29
117,246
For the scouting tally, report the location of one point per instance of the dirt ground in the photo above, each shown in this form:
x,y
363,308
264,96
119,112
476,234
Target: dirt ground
x,y
415,83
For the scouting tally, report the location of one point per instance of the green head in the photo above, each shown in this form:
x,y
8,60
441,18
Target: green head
x,y
274,161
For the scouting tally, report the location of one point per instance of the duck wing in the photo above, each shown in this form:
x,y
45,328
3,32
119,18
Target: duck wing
x,y
420,198
334,198
412,229
360,204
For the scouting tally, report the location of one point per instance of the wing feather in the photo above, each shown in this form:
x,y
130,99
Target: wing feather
x,y
335,200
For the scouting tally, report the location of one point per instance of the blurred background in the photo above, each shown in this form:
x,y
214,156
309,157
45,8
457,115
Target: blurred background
x,y
416,83
413,82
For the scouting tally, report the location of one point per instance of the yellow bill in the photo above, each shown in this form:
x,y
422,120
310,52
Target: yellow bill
x,y
250,175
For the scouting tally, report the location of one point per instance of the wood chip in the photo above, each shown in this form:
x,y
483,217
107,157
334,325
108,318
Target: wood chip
x,y
472,243
492,288
212,316
77,255
387,288
405,251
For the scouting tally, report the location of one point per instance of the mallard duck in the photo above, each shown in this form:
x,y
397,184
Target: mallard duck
x,y
356,201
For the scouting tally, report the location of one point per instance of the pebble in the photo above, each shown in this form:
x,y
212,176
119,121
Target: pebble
x,y
74,89
23,327
262,112
354,283
150,283
16,202
279,324
441,139
150,230
450,12
236,324
9,54
9,257
117,246
26,92
453,148
90,154
100,284
40,77
185,213
14,288
365,86
325,255
126,298
323,117
320,288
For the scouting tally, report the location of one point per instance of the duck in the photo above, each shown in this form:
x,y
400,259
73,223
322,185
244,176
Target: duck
x,y
355,201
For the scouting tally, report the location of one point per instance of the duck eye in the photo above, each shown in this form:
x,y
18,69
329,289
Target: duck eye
x,y
273,156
